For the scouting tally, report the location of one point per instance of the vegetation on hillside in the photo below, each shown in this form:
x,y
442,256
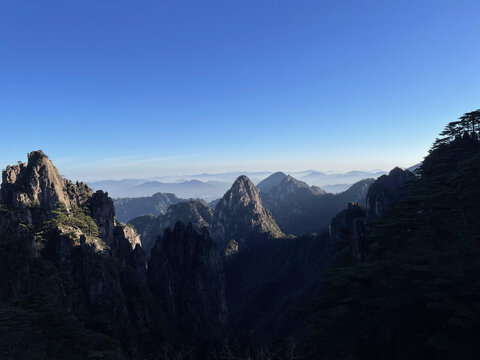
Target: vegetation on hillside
x,y
77,217
34,322
418,297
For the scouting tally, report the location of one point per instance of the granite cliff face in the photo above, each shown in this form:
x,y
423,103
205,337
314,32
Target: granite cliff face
x,y
63,256
186,274
39,185
240,217
95,264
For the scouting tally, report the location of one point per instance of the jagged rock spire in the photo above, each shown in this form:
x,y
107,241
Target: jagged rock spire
x,y
240,216
39,184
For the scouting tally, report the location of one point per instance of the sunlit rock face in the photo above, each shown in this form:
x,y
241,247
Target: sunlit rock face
x,y
240,216
38,184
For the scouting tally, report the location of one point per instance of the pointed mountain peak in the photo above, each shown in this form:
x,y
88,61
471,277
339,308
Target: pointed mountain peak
x,y
38,157
39,184
242,180
289,184
243,192
270,182
240,215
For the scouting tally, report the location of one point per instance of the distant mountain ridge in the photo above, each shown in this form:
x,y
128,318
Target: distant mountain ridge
x,y
299,208
281,183
239,219
129,208
270,182
193,212
282,205
212,186
394,277
351,177
129,188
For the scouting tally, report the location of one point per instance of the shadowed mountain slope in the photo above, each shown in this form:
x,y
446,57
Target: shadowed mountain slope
x,y
299,208
416,294
129,208
193,212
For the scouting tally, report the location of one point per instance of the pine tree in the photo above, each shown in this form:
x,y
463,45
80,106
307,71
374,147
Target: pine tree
x,y
468,125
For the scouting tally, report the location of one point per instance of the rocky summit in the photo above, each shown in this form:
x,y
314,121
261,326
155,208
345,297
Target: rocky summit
x,y
240,217
70,270
281,184
38,184
270,182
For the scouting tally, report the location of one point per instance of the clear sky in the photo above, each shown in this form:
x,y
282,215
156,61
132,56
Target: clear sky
x,y
129,89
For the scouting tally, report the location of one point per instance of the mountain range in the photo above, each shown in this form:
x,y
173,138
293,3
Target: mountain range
x,y
210,187
193,212
131,188
128,208
392,275
299,208
278,205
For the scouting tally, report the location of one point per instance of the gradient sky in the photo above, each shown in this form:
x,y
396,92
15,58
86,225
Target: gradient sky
x,y
131,89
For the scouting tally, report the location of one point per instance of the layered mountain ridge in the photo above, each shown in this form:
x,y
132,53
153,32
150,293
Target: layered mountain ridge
x,y
398,265
192,212
299,208
157,204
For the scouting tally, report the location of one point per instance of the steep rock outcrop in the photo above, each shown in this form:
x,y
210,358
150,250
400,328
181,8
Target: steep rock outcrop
x,y
38,184
61,247
240,216
193,211
387,190
348,232
186,274
103,212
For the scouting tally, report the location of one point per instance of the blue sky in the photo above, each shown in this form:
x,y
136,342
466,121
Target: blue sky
x,y
128,89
